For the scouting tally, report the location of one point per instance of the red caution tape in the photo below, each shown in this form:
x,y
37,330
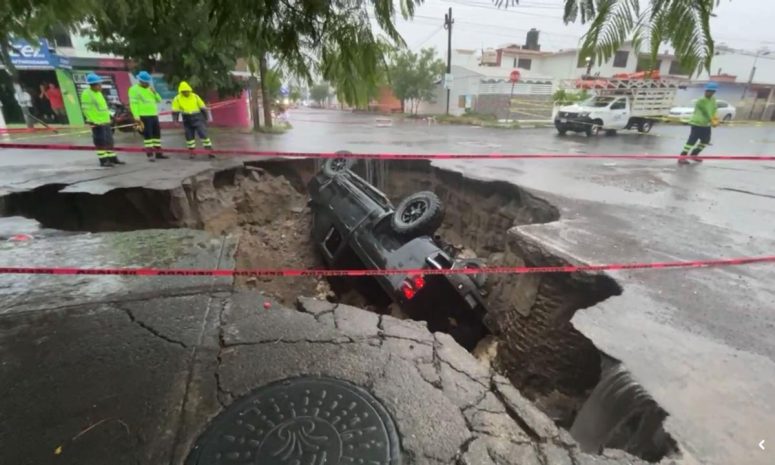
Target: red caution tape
x,y
388,156
325,272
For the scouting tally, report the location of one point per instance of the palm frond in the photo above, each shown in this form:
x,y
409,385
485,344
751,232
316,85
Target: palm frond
x,y
616,21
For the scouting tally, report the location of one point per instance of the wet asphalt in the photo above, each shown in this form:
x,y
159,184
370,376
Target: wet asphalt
x,y
699,340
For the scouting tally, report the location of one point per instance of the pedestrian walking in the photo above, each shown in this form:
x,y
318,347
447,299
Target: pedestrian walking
x,y
57,103
95,110
144,105
24,99
194,112
702,120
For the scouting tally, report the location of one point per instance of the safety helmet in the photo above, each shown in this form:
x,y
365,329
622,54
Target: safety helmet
x,y
183,87
711,86
92,79
144,76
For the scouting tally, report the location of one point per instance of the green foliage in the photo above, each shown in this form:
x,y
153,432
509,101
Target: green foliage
x,y
320,93
295,95
564,97
34,19
413,76
173,37
334,40
683,24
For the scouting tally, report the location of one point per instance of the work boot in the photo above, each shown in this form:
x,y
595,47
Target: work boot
x,y
106,163
161,156
116,161
683,160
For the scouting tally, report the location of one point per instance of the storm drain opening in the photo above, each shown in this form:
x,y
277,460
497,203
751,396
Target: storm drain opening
x,y
526,333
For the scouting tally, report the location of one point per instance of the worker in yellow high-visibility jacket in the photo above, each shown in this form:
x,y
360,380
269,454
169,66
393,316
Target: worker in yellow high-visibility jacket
x,y
194,112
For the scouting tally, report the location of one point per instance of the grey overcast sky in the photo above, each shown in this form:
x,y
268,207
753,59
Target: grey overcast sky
x,y
744,24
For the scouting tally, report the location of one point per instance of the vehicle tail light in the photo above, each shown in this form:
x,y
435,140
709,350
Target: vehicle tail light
x,y
408,291
412,285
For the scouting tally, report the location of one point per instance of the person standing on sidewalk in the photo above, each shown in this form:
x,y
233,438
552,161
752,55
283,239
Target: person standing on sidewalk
x,y
95,110
144,104
24,99
194,113
57,103
703,118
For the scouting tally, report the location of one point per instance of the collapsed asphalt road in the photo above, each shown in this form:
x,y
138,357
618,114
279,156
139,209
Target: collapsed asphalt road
x,y
629,229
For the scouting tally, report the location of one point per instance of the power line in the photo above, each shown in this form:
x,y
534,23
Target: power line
x,y
430,36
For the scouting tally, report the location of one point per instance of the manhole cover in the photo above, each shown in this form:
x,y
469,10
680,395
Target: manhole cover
x,y
301,421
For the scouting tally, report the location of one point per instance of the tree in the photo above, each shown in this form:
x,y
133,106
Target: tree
x,y
32,20
320,93
332,39
413,76
173,37
683,24
295,95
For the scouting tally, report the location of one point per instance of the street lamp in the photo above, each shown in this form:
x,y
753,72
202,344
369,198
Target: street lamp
x,y
589,65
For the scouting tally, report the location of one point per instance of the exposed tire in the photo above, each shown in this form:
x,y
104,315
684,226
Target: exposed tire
x,y
727,118
645,126
418,214
592,130
562,131
335,166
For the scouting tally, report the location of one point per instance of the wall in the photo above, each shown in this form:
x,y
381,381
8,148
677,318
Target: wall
x,y
520,107
740,65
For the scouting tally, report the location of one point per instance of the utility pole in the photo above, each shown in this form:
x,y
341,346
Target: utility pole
x,y
448,22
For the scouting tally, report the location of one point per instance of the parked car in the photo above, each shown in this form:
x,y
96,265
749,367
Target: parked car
x,y
355,226
725,113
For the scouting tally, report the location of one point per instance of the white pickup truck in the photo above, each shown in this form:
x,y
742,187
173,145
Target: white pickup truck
x,y
618,104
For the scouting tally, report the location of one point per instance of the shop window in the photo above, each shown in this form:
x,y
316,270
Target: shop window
x,y
678,70
461,101
620,59
763,94
644,64
524,63
61,37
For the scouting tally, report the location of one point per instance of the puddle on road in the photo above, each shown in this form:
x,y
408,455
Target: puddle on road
x,y
532,340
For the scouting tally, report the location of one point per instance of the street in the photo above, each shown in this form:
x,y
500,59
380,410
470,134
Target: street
x,y
699,341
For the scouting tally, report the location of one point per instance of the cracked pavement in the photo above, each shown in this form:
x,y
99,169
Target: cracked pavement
x,y
134,375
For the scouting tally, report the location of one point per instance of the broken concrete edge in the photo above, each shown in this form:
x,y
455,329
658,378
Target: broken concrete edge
x,y
533,435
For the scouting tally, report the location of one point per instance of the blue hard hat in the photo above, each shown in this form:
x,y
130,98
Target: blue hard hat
x,y
144,76
92,78
713,86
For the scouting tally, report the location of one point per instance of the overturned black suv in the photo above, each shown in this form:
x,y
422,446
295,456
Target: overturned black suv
x,y
355,226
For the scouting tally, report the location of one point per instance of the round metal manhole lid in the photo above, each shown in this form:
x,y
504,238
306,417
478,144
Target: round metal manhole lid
x,y
301,421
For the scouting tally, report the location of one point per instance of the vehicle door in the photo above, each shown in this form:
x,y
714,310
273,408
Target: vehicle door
x,y
620,114
722,110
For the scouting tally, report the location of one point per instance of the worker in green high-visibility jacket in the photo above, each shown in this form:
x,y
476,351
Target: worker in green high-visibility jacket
x,y
144,105
703,118
97,115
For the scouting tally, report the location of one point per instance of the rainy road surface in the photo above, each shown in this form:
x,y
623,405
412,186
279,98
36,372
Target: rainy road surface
x,y
699,340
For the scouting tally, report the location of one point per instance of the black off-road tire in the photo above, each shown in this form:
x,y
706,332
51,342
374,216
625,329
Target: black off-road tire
x,y
418,214
644,127
335,166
